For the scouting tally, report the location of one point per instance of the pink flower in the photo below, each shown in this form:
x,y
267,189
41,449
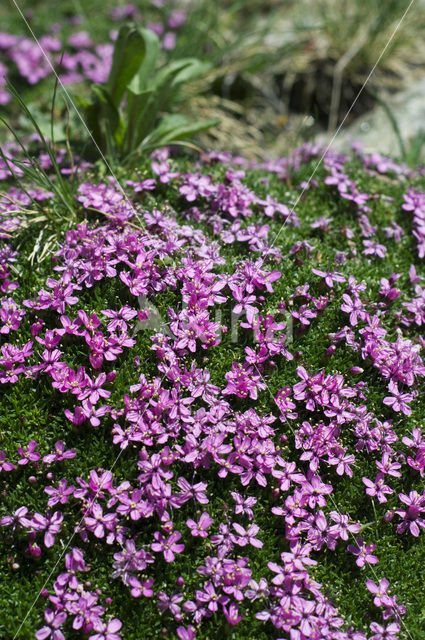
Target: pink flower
x,y
353,306
51,525
243,381
168,546
377,488
243,505
97,521
4,465
107,631
398,401
54,621
200,528
330,276
390,632
141,588
186,633
246,536
60,494
374,249
363,552
411,516
378,591
232,614
28,453
60,453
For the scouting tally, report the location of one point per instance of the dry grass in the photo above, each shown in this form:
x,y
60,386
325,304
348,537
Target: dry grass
x,y
311,57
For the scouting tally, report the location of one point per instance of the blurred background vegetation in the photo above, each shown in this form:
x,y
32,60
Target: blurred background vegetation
x,y
281,71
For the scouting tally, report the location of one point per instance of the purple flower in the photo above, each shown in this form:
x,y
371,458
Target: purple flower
x,y
390,632
59,494
19,518
354,307
97,522
28,453
162,169
200,528
330,277
87,613
134,506
411,517
60,453
4,465
387,466
374,249
51,525
377,488
141,588
258,589
363,552
243,505
186,633
210,597
379,591
304,315
232,614
343,525
246,536
242,381
398,401
168,546
107,631
171,604
387,290
54,621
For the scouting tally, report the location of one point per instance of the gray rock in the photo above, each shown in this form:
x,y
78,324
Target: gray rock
x,y
376,131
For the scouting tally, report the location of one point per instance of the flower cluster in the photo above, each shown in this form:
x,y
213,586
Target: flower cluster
x,y
225,442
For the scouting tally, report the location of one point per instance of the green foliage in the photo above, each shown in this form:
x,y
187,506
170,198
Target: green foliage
x,y
129,114
47,222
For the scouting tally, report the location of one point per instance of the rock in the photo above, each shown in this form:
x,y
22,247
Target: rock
x,y
376,131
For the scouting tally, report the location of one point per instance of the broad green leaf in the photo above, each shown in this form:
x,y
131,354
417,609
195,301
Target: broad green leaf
x,y
107,109
129,53
180,71
139,117
183,132
194,69
174,130
105,119
143,78
169,123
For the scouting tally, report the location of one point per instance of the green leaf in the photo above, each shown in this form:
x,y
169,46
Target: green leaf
x,y
140,117
175,128
143,78
193,69
104,120
108,112
180,71
129,53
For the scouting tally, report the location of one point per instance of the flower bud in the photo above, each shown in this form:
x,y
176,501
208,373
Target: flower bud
x,y
168,526
34,550
389,515
356,370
